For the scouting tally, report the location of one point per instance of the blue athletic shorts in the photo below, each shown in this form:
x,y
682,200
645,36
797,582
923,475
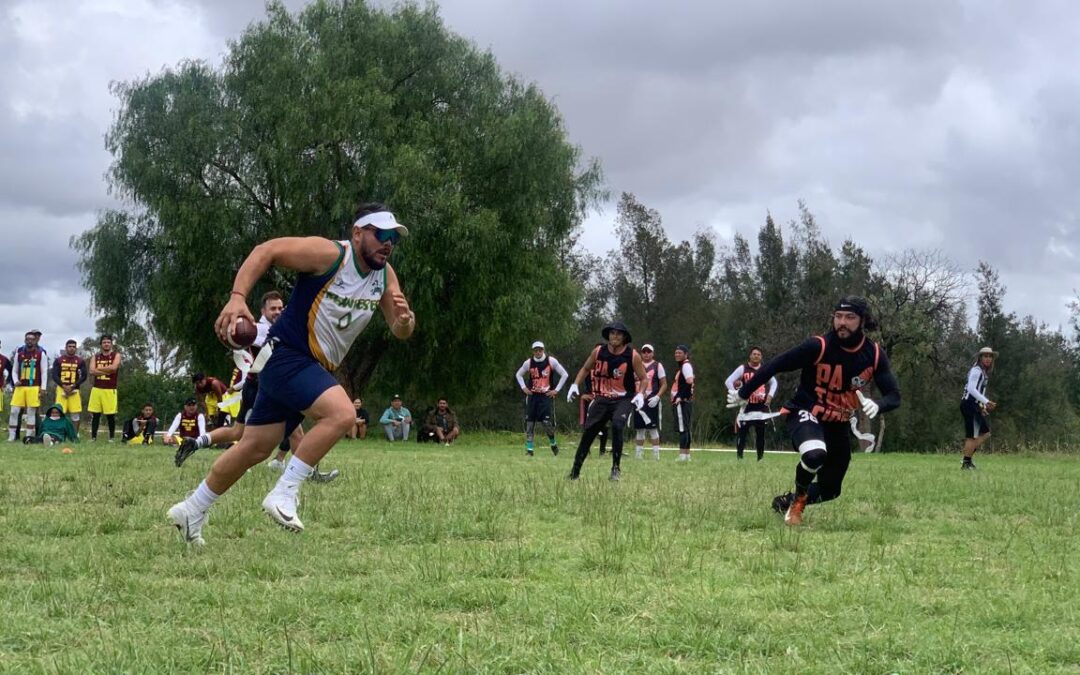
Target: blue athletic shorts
x,y
289,383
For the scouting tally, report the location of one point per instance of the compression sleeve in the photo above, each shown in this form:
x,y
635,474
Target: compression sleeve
x,y
520,374
733,378
175,425
972,387
887,384
558,367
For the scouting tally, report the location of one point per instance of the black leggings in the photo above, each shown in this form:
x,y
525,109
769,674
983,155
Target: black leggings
x,y
820,472
95,422
744,431
601,412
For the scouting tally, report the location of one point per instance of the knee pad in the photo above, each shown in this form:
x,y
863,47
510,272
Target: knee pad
x,y
639,435
812,458
654,434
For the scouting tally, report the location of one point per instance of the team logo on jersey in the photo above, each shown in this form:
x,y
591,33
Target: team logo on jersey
x,y
376,289
617,373
858,383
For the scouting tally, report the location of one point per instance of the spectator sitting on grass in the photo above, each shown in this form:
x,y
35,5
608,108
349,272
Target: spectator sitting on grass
x,y
441,424
55,428
396,420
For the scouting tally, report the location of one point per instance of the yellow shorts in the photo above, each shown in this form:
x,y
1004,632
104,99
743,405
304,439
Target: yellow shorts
x,y
26,397
212,401
71,404
234,409
102,401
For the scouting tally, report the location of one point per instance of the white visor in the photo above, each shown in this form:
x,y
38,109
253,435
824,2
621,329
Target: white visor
x,y
384,220
538,345
647,346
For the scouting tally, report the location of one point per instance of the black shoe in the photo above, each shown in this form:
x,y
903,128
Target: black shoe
x,y
603,452
615,474
529,452
967,464
187,448
780,503
555,450
572,476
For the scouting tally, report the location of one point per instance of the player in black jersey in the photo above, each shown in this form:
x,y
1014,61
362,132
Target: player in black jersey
x,y
835,368
618,379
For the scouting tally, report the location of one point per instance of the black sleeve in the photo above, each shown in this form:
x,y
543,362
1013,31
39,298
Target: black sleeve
x,y
798,357
886,382
54,373
81,373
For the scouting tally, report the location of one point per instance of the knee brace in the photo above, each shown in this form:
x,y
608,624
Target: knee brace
x,y
654,434
13,416
812,455
639,435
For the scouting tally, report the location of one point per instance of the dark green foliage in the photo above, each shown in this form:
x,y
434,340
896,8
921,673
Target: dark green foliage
x,y
311,114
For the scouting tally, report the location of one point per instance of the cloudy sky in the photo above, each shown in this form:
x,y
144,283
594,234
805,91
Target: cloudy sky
x,y
928,124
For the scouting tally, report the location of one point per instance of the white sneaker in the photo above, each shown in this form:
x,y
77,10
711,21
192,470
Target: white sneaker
x,y
189,522
276,465
282,507
639,454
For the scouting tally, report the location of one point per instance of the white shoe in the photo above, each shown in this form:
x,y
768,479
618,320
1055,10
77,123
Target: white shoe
x,y
656,455
639,454
189,522
282,507
276,465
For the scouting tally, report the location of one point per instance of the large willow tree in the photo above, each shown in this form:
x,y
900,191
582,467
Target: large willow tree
x,y
307,116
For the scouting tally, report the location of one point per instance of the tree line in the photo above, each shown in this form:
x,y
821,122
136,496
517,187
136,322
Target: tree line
x,y
343,102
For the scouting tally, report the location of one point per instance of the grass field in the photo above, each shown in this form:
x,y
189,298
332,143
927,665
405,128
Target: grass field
x,y
424,559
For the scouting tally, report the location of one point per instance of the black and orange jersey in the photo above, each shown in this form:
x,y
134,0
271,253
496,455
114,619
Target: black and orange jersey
x,y
831,376
682,387
613,374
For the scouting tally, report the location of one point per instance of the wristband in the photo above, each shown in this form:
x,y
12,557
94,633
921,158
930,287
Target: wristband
x,y
242,295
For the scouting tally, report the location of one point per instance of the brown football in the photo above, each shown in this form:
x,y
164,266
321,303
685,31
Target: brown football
x,y
243,334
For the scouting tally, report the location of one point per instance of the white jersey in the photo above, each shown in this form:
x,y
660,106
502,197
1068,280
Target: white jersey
x,y
326,313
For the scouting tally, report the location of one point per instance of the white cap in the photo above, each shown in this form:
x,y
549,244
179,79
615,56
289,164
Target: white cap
x,y
538,345
647,346
383,220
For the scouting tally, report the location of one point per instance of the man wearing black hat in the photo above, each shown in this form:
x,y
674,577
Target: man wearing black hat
x,y
835,368
616,371
682,399
188,423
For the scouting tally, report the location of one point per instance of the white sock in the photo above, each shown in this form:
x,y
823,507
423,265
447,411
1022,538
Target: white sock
x,y
203,441
203,497
296,472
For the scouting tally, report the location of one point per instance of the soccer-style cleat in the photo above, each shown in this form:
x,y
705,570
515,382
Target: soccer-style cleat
x,y
281,508
572,476
780,503
529,452
276,465
324,476
187,448
615,475
188,522
967,464
555,450
794,513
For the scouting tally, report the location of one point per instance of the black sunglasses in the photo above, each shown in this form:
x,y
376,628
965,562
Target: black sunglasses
x,y
392,236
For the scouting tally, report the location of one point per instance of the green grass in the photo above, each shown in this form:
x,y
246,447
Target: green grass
x,y
475,558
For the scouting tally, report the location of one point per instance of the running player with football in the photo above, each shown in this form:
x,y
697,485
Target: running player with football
x,y
339,287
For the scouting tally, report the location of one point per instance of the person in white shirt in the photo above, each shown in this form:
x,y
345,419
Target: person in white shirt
x,y
975,406
682,399
757,407
654,390
539,394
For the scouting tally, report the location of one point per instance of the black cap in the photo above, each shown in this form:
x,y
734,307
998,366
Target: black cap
x,y
683,348
619,326
197,376
191,401
395,397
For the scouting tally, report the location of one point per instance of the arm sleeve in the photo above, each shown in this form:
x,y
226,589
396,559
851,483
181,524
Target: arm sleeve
x,y
202,425
54,373
520,374
733,378
773,384
44,367
886,382
175,425
561,371
972,387
801,355
81,374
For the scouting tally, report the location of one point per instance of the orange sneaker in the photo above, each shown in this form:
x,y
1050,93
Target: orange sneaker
x,y
794,513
